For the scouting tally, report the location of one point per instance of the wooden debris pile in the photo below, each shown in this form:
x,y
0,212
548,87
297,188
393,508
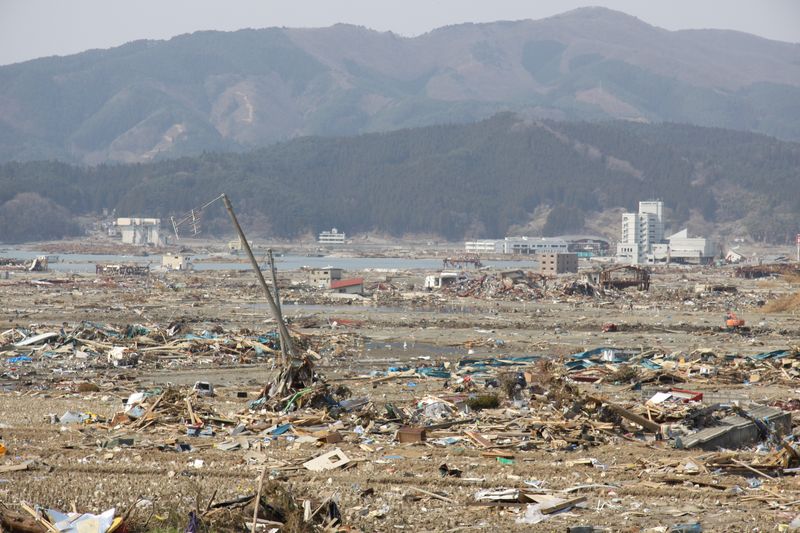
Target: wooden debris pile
x,y
170,410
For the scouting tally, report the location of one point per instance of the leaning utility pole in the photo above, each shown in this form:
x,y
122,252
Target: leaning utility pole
x,y
287,350
277,294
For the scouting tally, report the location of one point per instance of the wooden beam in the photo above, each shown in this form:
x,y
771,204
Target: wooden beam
x,y
625,413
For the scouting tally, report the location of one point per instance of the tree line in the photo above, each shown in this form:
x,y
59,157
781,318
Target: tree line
x,y
457,181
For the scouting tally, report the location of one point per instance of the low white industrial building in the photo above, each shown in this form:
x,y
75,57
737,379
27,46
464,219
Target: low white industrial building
x,y
334,236
140,230
680,248
534,245
486,246
176,262
518,245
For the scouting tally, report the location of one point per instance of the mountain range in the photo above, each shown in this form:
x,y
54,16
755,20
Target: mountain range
x,y
456,181
234,91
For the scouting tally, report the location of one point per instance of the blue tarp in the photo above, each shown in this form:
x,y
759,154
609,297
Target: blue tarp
x,y
256,404
102,328
617,355
280,430
770,355
650,365
136,330
588,354
434,372
579,365
504,361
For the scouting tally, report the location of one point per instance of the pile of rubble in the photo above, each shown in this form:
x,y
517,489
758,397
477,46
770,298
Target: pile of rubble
x,y
523,438
511,286
495,405
499,408
92,346
614,365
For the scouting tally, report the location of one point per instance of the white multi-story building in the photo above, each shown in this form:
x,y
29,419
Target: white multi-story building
x,y
333,236
640,232
653,210
642,239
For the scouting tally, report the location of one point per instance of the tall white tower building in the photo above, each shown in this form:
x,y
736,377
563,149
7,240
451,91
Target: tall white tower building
x,y
640,232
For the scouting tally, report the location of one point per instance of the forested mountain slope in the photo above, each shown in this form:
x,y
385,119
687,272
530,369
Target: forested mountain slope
x,y
473,180
222,91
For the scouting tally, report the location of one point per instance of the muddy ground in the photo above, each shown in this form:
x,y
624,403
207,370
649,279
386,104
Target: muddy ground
x,y
636,483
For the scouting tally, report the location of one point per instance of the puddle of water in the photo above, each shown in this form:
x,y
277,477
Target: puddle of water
x,y
290,309
410,348
86,262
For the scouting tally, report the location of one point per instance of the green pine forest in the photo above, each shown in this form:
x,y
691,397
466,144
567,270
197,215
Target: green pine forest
x,y
456,181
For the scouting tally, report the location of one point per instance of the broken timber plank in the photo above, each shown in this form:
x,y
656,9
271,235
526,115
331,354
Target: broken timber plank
x,y
563,505
150,410
15,468
625,413
750,468
39,518
478,439
434,495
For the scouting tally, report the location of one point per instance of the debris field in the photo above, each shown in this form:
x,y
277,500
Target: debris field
x,y
505,401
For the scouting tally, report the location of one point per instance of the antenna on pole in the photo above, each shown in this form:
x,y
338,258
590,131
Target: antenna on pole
x,y
192,218
294,369
175,228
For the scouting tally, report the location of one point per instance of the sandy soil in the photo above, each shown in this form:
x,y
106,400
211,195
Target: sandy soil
x,y
637,484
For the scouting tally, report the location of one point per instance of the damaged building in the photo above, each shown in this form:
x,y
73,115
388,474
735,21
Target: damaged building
x,y
552,264
323,277
145,231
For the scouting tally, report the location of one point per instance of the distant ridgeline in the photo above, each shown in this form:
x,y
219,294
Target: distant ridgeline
x,y
214,91
473,180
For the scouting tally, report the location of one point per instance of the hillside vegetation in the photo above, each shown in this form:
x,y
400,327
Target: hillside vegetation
x,y
220,91
461,180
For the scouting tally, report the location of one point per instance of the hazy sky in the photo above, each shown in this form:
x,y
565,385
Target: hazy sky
x,y
36,28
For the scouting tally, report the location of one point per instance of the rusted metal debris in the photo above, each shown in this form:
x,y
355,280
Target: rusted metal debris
x,y
764,271
122,270
624,276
